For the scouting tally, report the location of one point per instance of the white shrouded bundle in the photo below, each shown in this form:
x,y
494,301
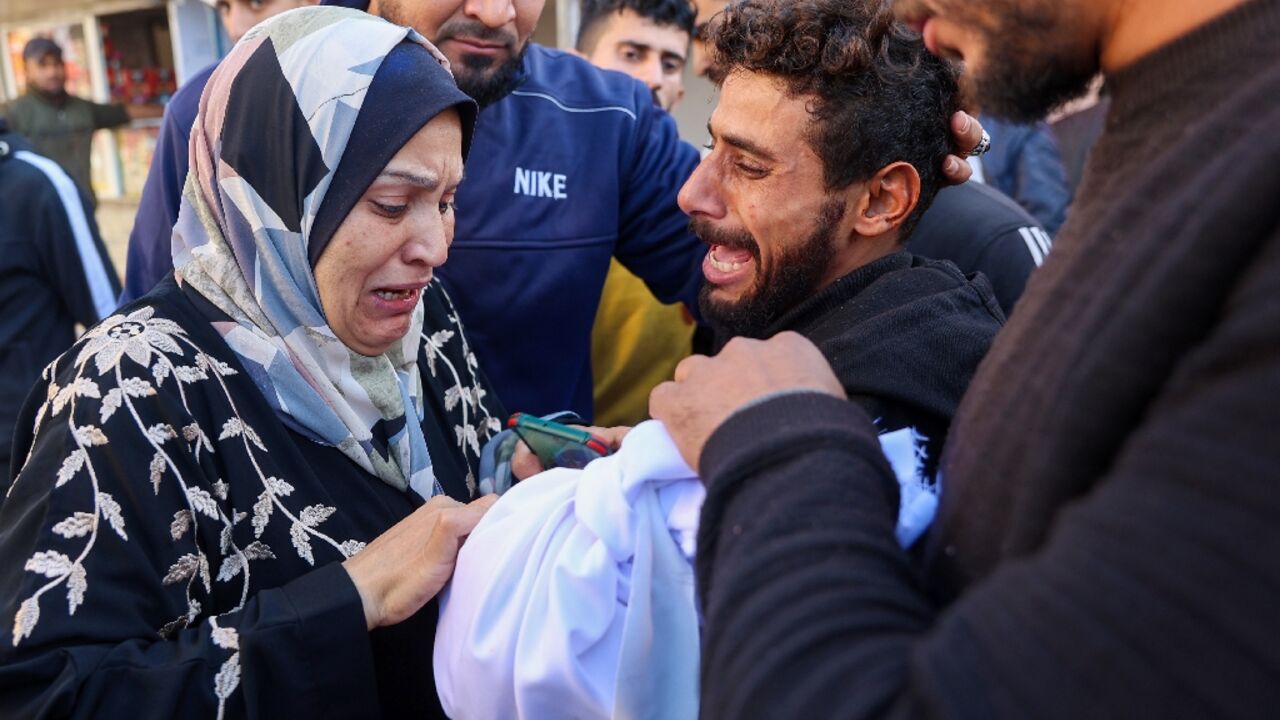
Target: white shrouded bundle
x,y
574,597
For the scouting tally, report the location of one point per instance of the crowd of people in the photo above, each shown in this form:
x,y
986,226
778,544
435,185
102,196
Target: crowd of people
x,y
931,423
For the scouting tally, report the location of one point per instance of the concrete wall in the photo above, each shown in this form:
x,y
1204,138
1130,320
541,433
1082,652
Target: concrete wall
x,y
695,110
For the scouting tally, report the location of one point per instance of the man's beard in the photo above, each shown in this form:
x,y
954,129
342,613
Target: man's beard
x,y
57,95
1035,61
793,275
485,85
484,78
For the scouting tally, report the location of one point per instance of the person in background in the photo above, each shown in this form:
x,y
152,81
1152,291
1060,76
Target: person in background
x,y
636,341
699,58
1076,127
981,229
55,273
162,192
59,125
1025,165
646,39
1109,524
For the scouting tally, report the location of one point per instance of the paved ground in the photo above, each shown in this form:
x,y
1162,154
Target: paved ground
x,y
115,221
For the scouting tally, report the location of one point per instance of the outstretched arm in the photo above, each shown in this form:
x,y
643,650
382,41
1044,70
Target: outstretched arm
x,y
1152,596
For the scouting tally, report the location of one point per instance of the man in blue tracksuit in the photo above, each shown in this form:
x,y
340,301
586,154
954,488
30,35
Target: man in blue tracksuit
x,y
574,167
1025,165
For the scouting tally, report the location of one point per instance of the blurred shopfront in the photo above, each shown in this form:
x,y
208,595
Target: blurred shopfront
x,y
139,51
123,51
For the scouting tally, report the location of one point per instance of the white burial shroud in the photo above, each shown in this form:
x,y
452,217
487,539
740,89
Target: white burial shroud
x,y
574,597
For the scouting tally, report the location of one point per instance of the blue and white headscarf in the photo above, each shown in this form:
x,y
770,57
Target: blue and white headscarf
x,y
293,127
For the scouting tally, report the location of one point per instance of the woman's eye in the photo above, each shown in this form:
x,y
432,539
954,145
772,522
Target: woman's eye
x,y
447,206
391,211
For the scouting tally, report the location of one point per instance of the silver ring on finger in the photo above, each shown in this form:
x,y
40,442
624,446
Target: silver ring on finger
x,y
983,145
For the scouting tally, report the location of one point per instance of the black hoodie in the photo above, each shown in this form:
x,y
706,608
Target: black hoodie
x,y
47,237
904,334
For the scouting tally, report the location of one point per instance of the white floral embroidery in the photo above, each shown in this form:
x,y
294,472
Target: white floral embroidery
x,y
182,521
71,465
478,423
26,618
110,509
228,677
137,335
78,525
154,344
127,358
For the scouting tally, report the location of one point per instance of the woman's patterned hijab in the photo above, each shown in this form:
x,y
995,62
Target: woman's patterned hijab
x,y
274,124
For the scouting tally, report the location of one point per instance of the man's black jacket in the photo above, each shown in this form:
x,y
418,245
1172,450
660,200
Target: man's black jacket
x,y
904,335
54,273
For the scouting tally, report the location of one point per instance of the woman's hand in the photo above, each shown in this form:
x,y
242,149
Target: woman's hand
x,y
406,566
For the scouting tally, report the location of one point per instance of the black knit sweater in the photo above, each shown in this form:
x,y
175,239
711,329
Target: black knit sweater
x,y
1109,538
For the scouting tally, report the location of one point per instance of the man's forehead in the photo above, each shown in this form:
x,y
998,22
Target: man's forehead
x,y
757,113
910,8
628,26
708,8
748,98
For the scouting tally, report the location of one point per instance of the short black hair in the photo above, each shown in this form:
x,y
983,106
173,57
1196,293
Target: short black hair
x,y
679,14
879,96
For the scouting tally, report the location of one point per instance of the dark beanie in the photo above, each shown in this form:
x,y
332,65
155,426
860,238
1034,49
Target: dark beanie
x,y
410,88
38,47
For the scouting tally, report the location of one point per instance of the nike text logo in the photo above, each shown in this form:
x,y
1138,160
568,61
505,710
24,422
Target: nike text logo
x,y
536,183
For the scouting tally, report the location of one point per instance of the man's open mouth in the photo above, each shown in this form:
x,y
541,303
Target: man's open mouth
x,y
726,266
728,260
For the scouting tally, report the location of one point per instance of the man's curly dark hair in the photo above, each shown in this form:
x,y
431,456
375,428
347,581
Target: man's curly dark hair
x,y
878,97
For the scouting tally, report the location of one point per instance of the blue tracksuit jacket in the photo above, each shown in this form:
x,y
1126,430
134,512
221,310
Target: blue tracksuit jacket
x,y
574,167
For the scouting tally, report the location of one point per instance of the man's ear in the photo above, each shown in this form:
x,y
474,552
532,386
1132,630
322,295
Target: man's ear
x,y
887,199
